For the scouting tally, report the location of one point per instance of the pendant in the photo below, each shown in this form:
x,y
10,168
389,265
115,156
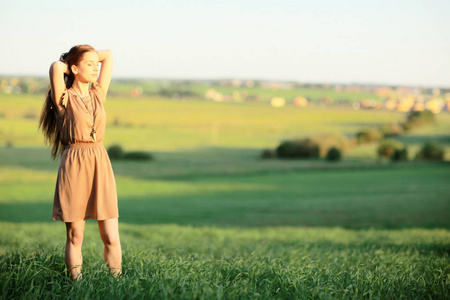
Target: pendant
x,y
93,135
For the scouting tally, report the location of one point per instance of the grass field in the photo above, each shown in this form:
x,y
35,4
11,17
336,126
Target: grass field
x,y
173,261
209,219
152,123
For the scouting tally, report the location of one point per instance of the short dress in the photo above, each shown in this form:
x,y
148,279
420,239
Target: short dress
x,y
85,186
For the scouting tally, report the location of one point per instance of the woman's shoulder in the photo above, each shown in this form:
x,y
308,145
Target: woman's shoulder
x,y
97,89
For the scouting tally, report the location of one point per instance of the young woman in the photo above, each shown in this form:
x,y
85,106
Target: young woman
x,y
73,120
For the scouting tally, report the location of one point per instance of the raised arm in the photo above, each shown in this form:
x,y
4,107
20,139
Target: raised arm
x,y
56,73
106,59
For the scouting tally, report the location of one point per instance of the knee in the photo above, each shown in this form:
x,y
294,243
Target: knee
x,y
111,240
75,237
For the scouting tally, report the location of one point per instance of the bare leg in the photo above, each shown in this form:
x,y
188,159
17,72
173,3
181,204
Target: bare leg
x,y
73,257
109,232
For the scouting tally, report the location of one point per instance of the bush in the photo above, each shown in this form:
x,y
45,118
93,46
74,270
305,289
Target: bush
x,y
391,130
328,141
386,148
116,122
334,154
431,151
393,150
306,148
400,154
369,135
267,153
137,155
115,152
418,118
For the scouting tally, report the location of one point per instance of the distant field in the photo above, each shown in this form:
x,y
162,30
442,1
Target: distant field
x,y
157,124
198,89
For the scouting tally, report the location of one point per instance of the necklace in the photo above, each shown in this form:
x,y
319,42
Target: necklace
x,y
91,114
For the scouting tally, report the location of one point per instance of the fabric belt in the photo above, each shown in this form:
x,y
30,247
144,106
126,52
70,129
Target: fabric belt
x,y
83,145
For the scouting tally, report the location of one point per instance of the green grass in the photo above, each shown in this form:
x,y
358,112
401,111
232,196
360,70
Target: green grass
x,y
351,196
209,219
172,261
153,123
339,232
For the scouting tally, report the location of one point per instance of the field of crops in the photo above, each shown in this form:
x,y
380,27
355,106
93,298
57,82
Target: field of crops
x,y
154,123
208,218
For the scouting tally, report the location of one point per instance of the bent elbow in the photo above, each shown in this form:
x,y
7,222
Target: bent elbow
x,y
52,68
108,53
56,67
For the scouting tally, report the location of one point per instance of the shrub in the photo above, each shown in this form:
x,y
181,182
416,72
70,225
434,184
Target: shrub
x,y
391,130
431,151
306,148
386,148
115,152
137,155
116,122
418,118
334,154
328,141
267,153
400,154
369,135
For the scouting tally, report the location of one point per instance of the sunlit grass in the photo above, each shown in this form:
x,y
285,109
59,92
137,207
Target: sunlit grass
x,y
170,261
182,190
208,218
153,123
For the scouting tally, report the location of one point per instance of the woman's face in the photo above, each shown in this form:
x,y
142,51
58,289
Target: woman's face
x,y
87,69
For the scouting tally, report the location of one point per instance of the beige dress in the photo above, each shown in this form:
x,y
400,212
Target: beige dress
x,y
85,186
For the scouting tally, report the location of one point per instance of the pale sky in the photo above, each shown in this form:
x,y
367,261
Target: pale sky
x,y
334,41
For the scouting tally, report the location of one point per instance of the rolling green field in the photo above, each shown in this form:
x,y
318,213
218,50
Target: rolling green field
x,y
154,123
208,218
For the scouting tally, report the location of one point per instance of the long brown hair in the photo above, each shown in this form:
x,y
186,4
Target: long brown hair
x,y
48,121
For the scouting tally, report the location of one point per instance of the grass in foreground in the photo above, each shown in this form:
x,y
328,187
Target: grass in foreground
x,y
179,262
215,259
